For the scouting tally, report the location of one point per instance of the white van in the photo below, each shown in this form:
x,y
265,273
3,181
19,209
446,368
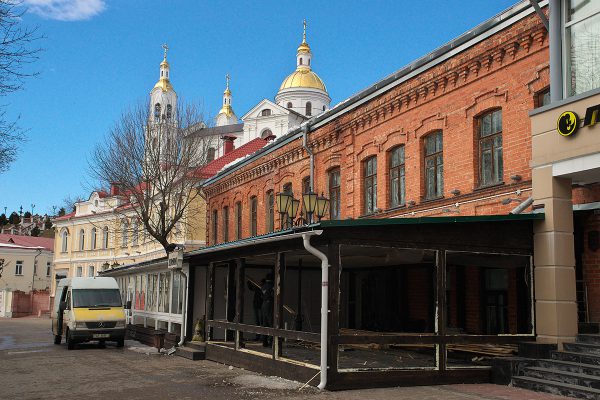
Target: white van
x,y
88,309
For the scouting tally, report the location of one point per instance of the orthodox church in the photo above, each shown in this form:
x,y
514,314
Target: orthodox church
x,y
302,94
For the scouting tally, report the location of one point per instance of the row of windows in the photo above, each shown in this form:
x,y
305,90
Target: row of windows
x,y
91,271
490,170
64,237
157,111
19,268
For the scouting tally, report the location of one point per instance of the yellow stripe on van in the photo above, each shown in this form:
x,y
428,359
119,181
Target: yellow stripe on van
x,y
106,314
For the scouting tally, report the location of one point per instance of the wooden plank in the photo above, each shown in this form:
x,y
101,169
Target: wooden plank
x,y
398,338
392,378
264,365
333,323
261,330
440,306
239,298
210,295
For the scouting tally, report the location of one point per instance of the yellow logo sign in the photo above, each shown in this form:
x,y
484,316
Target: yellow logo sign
x,y
567,123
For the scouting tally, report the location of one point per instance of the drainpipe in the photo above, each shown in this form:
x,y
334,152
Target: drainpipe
x,y
305,129
555,44
324,302
519,209
183,309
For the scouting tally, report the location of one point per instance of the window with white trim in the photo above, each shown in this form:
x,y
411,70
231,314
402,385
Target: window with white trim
x,y
19,268
582,46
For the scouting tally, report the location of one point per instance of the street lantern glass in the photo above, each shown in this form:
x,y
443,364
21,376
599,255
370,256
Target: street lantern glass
x,y
283,201
294,208
309,203
322,206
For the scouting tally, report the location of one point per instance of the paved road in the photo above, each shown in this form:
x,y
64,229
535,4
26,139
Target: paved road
x,y
31,367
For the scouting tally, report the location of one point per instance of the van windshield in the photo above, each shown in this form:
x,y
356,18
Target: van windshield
x,y
89,298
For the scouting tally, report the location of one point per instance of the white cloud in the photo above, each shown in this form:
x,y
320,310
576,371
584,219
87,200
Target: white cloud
x,y
66,10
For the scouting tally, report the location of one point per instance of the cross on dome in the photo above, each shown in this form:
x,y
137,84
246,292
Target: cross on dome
x,y
165,48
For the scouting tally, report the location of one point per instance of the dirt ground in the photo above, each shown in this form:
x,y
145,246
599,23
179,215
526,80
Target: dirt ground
x,y
31,367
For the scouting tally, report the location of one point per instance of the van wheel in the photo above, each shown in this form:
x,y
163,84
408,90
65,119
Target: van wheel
x,y
57,339
70,341
120,342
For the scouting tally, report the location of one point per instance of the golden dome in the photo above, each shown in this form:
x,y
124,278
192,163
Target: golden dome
x,y
303,78
164,63
163,84
304,48
227,91
227,110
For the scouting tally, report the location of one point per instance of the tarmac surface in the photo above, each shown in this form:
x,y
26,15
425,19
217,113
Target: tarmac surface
x,y
32,367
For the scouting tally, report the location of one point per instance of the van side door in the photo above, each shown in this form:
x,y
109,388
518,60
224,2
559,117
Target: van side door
x,y
67,312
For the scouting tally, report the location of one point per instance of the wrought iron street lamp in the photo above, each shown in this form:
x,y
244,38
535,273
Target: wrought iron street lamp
x,y
322,206
284,201
294,209
309,204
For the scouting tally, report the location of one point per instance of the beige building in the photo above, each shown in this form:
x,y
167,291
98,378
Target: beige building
x,y
566,176
26,262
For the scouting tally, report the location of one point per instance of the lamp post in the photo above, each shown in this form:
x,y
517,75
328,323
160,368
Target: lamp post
x,y
309,203
284,201
322,206
105,266
293,210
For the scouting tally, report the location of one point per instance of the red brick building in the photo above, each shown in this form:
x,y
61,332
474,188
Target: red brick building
x,y
473,100
448,137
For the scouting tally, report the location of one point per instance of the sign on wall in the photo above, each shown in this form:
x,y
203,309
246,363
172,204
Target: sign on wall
x,y
567,123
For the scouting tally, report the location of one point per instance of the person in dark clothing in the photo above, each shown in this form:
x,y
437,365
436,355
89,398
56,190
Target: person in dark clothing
x,y
268,294
257,303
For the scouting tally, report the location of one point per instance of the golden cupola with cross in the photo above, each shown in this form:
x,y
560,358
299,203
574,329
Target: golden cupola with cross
x,y
163,99
303,91
226,115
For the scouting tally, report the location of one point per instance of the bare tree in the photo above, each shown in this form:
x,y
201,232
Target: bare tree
x,y
153,163
16,53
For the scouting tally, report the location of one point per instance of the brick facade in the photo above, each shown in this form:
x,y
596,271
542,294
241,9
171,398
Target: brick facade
x,y
505,72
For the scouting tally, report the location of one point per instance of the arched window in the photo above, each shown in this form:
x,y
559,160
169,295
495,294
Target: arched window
x,y
308,109
434,165
64,237
267,134
211,154
490,148
215,227
93,239
238,220
370,184
82,239
289,105
270,200
124,233
334,193
300,60
309,61
157,111
91,271
169,111
225,224
323,108
397,178
266,112
134,233
105,237
253,215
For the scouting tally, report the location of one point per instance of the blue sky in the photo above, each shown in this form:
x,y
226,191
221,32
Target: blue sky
x,y
100,56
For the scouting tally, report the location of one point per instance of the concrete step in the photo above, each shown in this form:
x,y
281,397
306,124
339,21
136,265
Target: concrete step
x,y
556,375
569,367
588,327
196,345
587,348
588,338
190,354
577,357
558,388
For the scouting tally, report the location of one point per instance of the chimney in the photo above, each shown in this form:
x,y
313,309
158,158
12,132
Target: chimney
x,y
114,189
228,144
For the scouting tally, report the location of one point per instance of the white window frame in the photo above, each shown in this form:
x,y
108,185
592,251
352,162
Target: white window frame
x,y
566,56
19,268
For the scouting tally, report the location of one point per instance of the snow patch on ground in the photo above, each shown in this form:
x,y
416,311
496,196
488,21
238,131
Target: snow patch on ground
x,y
265,382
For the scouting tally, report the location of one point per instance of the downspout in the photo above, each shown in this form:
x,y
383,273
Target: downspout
x,y
183,309
555,44
519,209
324,302
305,129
